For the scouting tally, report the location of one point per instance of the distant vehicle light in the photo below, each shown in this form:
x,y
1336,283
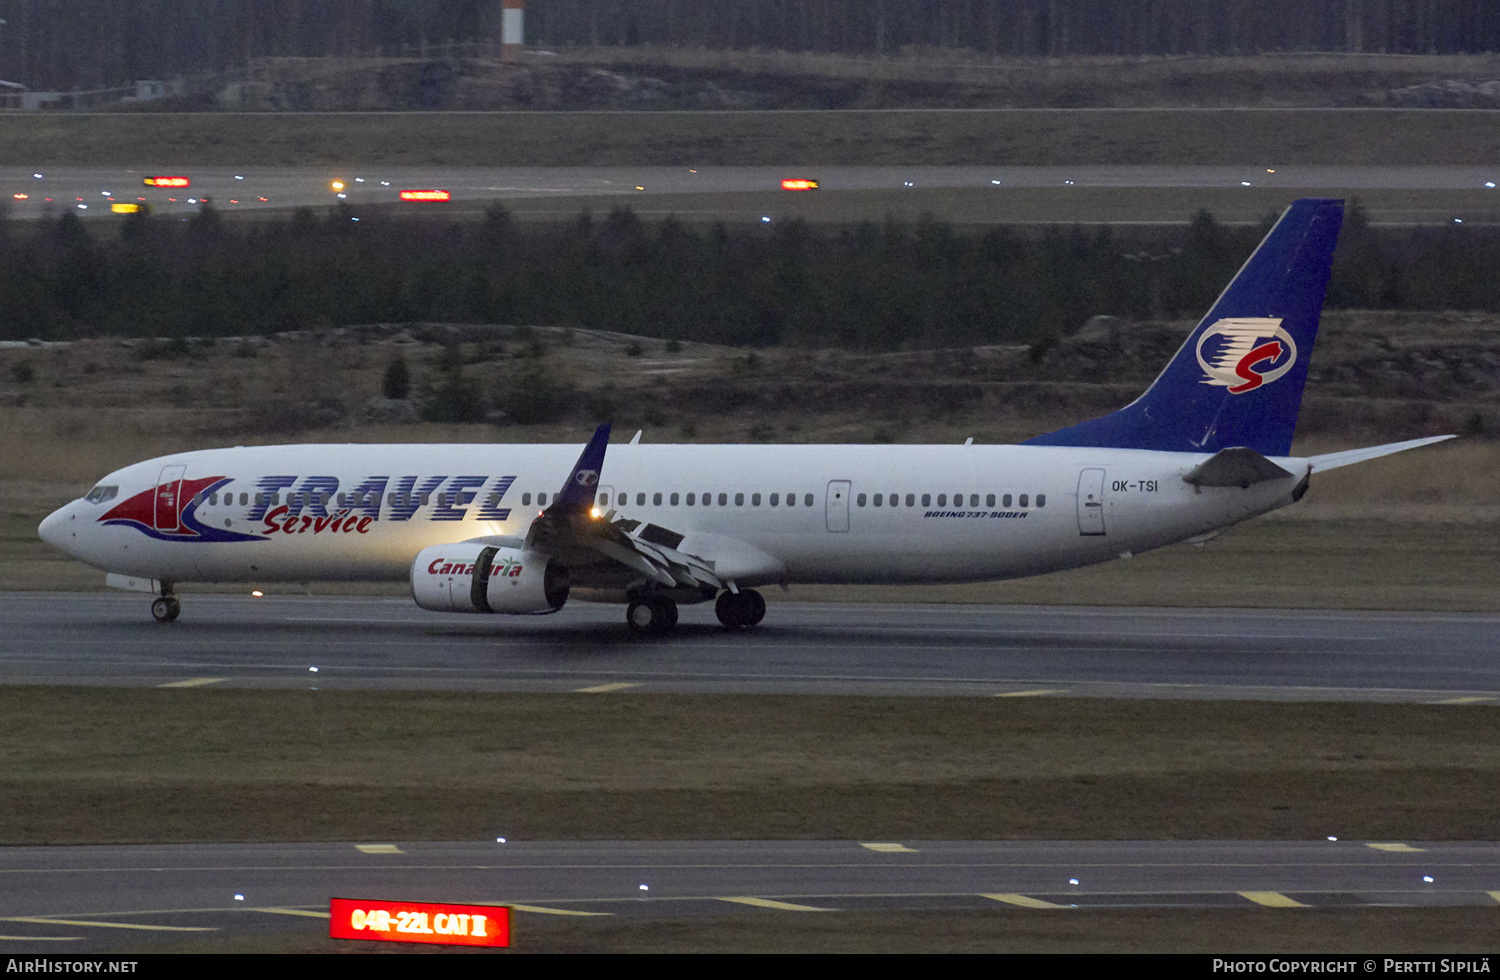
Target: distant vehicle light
x,y
238,177
995,182
1244,183
1068,183
910,184
359,180
799,184
337,185
37,176
1270,171
265,199
126,207
1489,184
342,196
766,218
385,183
639,187
20,197
167,182
106,193
81,207
429,194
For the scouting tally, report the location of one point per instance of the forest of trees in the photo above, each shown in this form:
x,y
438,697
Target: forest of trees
x,y
82,44
867,287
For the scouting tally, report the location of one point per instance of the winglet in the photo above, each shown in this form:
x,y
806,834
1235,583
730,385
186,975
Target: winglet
x,y
577,494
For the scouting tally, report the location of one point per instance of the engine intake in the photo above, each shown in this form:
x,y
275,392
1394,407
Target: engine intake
x,y
473,577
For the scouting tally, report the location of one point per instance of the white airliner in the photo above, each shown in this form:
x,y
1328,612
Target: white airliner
x,y
521,528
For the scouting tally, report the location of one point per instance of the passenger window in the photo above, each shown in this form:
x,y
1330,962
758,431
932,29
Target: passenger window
x,y
942,500
973,500
860,500
213,500
791,500
877,500
807,499
640,500
775,499
603,500
525,500
656,499
708,499
690,498
739,500
673,500
1041,500
989,500
723,500
926,500
1005,501
1023,500
911,500
755,500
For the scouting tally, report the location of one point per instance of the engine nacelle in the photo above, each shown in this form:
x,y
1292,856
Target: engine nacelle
x,y
473,577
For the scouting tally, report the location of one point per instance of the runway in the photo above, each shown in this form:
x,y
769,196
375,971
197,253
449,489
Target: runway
x,y
92,899
92,192
291,642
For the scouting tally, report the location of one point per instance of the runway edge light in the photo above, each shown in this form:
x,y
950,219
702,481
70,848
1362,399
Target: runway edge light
x,y
419,922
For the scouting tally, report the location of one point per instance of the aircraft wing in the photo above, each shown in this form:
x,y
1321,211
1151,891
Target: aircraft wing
x,y
599,546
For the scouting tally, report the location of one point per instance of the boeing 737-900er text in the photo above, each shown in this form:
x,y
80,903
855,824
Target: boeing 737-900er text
x,y
520,529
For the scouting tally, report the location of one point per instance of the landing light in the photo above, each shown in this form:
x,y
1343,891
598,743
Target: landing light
x,y
594,513
337,185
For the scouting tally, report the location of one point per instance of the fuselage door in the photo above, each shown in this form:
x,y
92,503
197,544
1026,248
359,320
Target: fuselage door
x,y
1091,502
168,487
837,505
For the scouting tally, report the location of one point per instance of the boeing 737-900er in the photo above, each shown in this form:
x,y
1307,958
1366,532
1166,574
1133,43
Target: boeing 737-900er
x,y
521,528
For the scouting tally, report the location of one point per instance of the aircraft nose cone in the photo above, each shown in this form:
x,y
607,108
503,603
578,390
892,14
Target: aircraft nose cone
x,y
54,529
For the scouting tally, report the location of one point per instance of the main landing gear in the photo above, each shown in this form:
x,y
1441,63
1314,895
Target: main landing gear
x,y
654,614
166,607
740,610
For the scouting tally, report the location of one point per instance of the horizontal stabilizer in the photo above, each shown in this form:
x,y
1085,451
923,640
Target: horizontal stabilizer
x,y
1332,461
1235,467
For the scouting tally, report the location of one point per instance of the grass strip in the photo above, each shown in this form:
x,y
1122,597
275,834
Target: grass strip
x,y
797,138
109,765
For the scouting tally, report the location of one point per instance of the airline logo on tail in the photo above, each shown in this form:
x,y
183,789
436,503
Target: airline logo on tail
x,y
1244,353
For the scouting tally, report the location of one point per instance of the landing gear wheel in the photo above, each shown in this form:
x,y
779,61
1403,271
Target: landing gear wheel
x,y
653,615
166,609
740,610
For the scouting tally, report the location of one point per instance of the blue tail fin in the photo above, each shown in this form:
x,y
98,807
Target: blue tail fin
x,y
1238,379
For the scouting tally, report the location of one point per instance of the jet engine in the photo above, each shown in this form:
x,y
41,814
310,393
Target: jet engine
x,y
474,577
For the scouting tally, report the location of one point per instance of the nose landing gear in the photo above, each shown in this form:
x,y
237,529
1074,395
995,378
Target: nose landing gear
x,y
166,607
740,610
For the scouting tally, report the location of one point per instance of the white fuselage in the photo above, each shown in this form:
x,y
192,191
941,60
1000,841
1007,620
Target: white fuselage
x,y
961,513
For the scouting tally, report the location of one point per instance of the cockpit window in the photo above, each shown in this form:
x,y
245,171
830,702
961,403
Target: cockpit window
x,y
101,493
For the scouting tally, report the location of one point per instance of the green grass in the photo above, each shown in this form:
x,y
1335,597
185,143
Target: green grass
x,y
91,765
801,139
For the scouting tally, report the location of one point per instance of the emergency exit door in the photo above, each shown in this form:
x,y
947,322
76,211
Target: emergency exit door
x,y
837,505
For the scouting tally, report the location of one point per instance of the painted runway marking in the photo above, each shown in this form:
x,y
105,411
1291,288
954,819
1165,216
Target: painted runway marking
x,y
1033,694
1274,900
1025,901
307,912
890,848
378,849
40,920
1396,848
1463,700
543,910
195,682
767,903
605,688
38,939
